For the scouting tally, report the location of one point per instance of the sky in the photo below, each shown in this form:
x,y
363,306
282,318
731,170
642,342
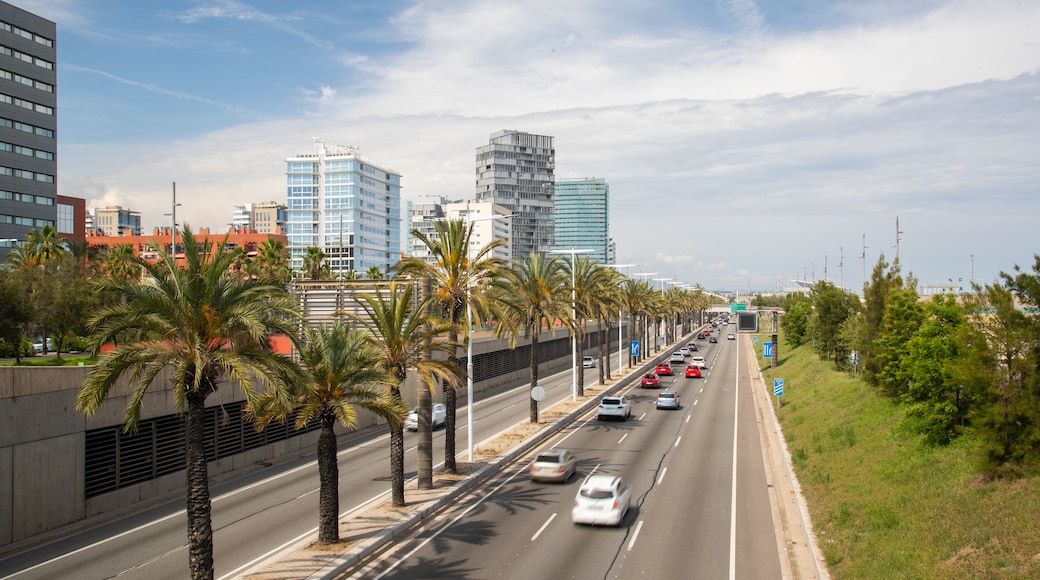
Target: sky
x,y
747,144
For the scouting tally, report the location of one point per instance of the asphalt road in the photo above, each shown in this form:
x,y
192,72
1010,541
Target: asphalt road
x,y
256,517
700,504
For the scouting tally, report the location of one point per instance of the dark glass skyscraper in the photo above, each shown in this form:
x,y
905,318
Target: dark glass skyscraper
x,y
28,125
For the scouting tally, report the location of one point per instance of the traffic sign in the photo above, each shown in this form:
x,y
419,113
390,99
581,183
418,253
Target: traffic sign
x,y
778,387
737,306
754,340
634,349
767,350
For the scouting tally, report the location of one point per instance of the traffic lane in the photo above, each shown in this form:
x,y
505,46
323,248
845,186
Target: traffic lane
x,y
153,547
540,540
687,516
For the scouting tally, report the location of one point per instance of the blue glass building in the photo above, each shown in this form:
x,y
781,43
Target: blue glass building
x,y
582,217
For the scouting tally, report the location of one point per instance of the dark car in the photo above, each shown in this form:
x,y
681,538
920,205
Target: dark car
x,y
700,336
712,339
693,347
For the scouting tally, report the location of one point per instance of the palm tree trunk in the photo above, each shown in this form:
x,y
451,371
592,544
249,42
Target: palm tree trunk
x,y
580,337
424,447
397,457
604,351
534,372
198,509
328,478
451,405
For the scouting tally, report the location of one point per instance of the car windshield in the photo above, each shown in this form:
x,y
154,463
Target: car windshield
x,y
597,493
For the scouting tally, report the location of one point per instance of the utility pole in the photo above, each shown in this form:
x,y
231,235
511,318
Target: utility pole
x,y
841,267
898,234
863,257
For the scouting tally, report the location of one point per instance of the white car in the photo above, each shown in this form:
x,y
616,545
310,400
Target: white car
x,y
685,351
677,358
588,362
731,336
698,361
667,400
553,465
439,417
602,500
614,408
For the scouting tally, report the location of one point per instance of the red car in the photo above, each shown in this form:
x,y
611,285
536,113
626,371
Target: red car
x,y
664,370
693,372
650,380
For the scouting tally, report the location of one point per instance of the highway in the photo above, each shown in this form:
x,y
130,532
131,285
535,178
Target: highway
x,y
700,504
258,516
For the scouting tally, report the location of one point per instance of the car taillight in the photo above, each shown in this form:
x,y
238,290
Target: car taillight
x,y
559,469
615,504
532,468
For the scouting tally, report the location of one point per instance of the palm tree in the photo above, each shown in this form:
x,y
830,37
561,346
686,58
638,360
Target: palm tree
x,y
272,260
118,262
374,273
315,265
455,274
205,323
342,374
404,334
524,295
44,245
637,296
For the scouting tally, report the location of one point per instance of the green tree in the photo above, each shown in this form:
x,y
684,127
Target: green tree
x,y
342,375
890,350
374,273
16,313
272,261
206,324
405,333
315,264
525,295
591,285
795,322
64,298
876,298
459,279
935,394
831,307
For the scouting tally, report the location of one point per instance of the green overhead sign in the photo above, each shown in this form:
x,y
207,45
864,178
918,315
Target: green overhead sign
x,y
737,306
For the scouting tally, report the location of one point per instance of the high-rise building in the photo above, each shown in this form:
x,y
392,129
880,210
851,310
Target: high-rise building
x,y
516,171
72,218
346,205
489,223
28,121
266,217
116,221
422,214
582,216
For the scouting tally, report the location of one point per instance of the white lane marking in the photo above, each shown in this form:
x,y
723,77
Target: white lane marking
x,y
622,438
545,525
688,416
594,469
677,440
695,402
660,478
641,417
635,535
733,491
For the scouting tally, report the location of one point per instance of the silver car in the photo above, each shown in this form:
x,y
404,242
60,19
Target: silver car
x,y
439,417
602,500
553,465
667,400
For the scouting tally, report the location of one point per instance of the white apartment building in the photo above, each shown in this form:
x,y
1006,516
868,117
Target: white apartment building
x,y
345,204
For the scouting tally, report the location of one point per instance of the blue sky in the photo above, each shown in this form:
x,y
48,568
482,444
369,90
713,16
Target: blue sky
x,y
746,143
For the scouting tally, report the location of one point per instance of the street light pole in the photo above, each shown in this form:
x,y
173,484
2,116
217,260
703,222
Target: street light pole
x,y
574,314
621,347
469,341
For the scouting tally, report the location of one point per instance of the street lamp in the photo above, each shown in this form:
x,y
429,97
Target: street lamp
x,y
662,281
574,314
620,345
173,231
646,332
469,342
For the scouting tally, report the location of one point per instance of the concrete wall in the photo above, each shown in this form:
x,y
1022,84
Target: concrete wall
x,y
42,441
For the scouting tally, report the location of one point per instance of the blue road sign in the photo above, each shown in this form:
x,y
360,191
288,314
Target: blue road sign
x,y
754,340
767,350
634,349
778,387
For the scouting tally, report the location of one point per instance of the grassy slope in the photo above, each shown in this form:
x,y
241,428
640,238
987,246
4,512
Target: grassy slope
x,y
884,505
